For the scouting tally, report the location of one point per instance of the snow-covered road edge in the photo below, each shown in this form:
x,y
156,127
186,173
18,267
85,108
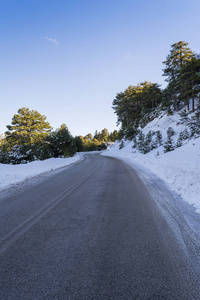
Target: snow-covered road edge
x,y
14,174
179,214
179,169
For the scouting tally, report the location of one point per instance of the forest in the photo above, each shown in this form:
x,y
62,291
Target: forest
x,y
140,104
31,137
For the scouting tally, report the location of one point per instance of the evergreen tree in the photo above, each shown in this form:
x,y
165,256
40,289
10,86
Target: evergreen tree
x,y
168,146
194,124
28,127
184,117
1,139
78,142
105,135
188,81
148,142
88,136
131,132
61,142
25,139
113,136
135,103
141,142
20,154
158,138
184,135
179,55
121,145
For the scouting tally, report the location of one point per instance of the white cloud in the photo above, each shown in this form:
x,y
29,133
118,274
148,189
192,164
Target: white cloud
x,y
54,41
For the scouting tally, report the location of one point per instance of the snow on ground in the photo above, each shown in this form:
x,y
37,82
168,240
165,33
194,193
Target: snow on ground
x,y
12,174
179,169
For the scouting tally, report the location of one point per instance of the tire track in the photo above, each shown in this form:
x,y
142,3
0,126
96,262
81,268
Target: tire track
x,y
22,228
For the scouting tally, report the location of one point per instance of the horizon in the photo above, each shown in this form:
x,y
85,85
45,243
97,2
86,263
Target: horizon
x,y
68,60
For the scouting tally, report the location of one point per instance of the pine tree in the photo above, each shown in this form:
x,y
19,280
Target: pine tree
x,y
168,146
78,142
88,136
184,135
28,127
121,145
184,117
158,138
188,81
113,136
105,135
61,142
194,124
141,142
179,55
25,139
148,142
135,103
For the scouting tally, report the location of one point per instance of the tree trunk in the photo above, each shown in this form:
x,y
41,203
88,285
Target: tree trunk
x,y
193,103
188,104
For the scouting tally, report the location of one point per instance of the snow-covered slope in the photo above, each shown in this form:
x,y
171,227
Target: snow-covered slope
x,y
12,174
180,168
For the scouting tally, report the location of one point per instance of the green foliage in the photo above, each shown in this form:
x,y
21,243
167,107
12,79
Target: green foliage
x,y
179,54
148,145
20,154
184,117
96,143
121,145
121,135
93,145
158,138
138,105
184,135
141,142
188,81
102,136
194,124
175,71
27,127
29,138
131,105
113,136
1,139
61,142
78,142
25,139
130,133
168,145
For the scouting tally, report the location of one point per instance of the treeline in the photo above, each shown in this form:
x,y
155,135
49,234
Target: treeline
x,y
97,142
30,137
140,104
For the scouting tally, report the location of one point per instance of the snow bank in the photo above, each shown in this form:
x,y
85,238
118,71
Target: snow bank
x,y
12,174
180,169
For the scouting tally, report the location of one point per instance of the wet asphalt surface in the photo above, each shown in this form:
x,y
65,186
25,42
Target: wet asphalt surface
x,y
89,231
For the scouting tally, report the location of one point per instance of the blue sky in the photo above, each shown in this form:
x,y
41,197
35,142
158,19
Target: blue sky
x,y
68,59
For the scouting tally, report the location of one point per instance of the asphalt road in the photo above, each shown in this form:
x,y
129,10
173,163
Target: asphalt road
x,y
90,231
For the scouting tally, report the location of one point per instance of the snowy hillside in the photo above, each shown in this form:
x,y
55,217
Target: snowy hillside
x,y
179,168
